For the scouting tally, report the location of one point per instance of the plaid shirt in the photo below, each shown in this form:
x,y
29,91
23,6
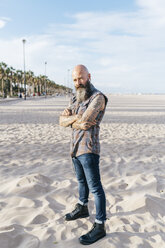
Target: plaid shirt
x,y
86,141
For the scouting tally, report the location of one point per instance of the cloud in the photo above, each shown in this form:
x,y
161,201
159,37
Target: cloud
x,y
152,7
122,50
3,21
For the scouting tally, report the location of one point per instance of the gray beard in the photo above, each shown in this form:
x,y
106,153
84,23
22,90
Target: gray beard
x,y
83,93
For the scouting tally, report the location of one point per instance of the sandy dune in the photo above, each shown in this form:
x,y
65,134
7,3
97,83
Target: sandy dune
x,y
38,184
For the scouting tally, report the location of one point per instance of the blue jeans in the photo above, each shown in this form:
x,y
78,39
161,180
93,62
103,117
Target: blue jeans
x,y
88,176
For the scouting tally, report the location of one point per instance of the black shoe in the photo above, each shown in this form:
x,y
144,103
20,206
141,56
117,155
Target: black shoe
x,y
97,232
80,211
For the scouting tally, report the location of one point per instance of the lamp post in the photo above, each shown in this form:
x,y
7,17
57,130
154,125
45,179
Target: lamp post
x,y
45,77
24,41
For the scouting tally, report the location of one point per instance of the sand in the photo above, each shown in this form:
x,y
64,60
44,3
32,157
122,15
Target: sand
x,y
38,185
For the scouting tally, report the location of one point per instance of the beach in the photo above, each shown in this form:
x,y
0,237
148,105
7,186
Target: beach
x,y
38,185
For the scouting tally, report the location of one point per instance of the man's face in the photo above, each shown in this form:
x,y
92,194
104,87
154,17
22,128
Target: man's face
x,y
80,78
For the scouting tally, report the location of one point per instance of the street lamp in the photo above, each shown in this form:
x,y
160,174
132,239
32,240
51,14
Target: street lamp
x,y
45,77
24,41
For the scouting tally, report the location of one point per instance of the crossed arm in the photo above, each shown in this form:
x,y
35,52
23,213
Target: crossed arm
x,y
88,118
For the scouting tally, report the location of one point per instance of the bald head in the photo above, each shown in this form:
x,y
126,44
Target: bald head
x,y
80,76
80,68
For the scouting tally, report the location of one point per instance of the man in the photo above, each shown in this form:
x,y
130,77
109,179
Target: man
x,y
84,116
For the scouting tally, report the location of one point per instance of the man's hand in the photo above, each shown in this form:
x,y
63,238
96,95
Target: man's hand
x,y
67,112
85,125
67,119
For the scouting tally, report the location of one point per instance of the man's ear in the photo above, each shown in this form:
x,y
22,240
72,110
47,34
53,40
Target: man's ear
x,y
89,76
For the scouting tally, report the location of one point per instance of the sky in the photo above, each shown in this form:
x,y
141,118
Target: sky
x,y
121,42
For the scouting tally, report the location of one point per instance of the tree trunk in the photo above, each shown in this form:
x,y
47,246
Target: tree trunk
x,y
18,89
2,88
33,88
40,89
11,89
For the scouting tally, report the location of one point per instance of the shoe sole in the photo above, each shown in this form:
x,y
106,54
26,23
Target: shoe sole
x,y
83,242
84,216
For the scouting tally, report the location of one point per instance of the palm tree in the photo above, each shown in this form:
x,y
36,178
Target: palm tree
x,y
35,85
29,81
15,84
3,67
19,80
9,80
2,80
42,83
12,82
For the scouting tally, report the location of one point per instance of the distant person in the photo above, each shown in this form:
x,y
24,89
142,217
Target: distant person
x,y
84,116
